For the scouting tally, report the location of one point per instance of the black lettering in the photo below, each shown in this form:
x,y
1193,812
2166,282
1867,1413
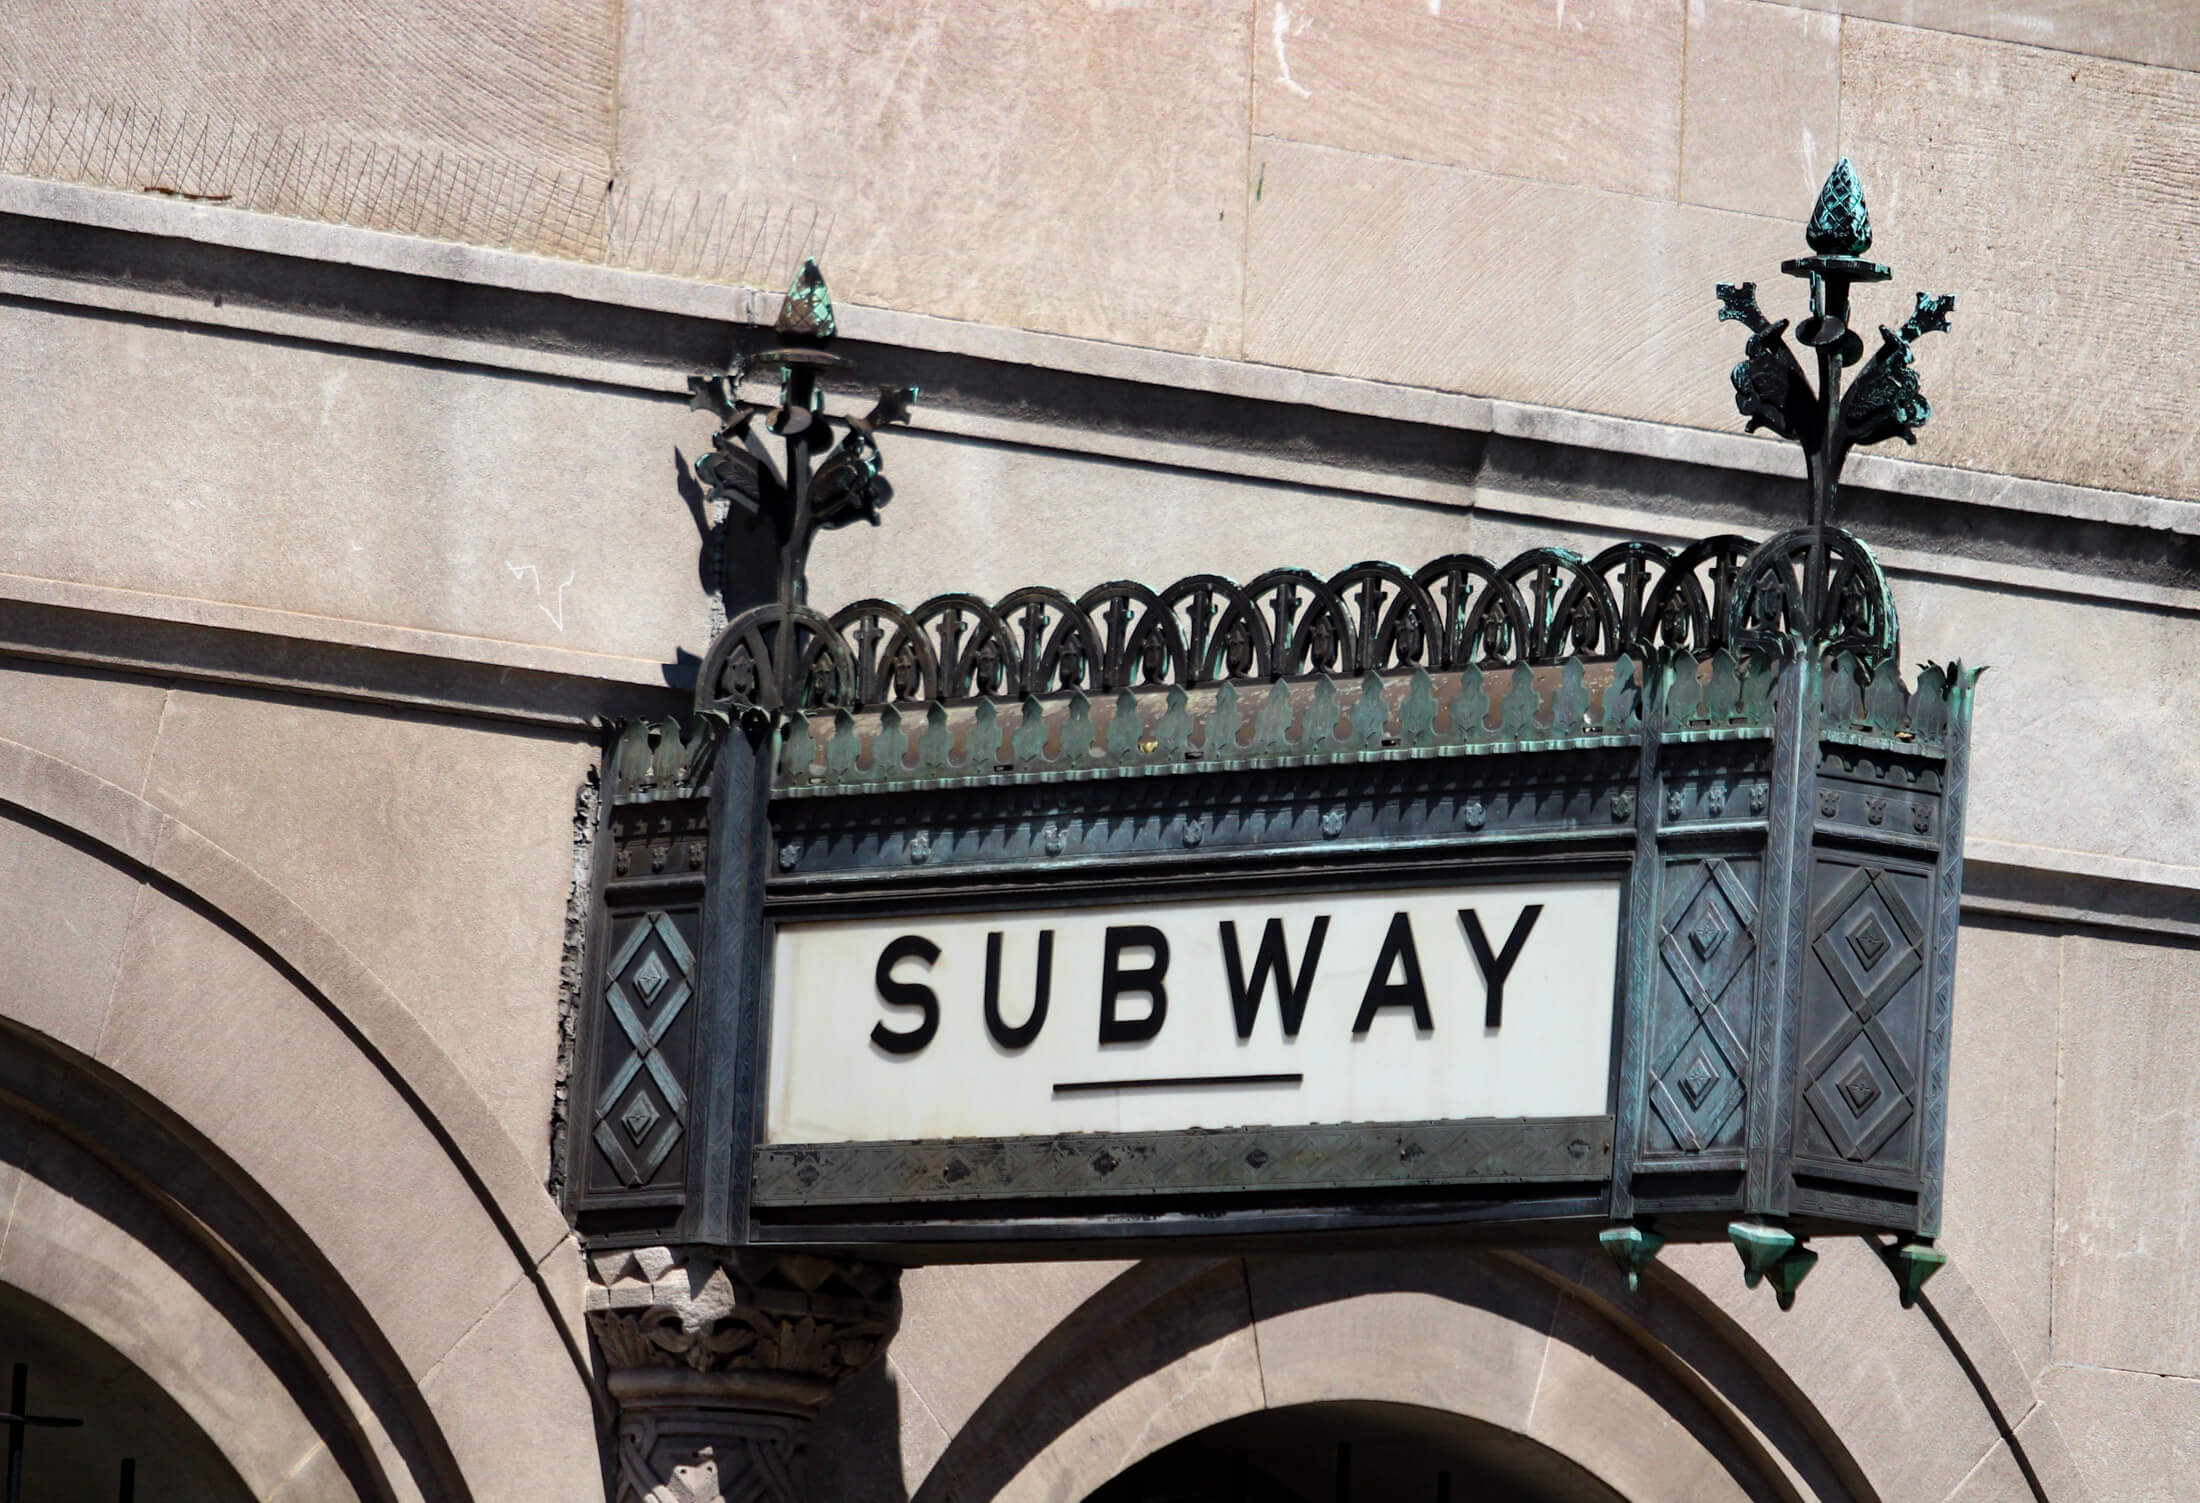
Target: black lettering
x,y
1145,980
1272,960
1495,968
1382,992
1024,1032
907,994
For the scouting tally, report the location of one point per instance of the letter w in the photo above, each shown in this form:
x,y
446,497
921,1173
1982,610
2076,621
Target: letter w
x,y
1273,960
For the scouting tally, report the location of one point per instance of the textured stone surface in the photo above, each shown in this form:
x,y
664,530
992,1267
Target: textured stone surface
x,y
2134,1437
1589,1406
1764,106
63,913
105,723
1879,1375
1590,95
1469,281
991,518
964,1329
2165,32
226,1042
538,1438
1464,1337
2063,274
1181,1356
341,485
389,115
1999,1213
2127,1214
1093,181
439,853
2124,667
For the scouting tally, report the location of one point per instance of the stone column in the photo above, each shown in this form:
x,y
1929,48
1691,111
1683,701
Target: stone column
x,y
720,1360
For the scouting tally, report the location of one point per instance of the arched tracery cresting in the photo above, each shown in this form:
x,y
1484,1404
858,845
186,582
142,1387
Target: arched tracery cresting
x,y
1547,605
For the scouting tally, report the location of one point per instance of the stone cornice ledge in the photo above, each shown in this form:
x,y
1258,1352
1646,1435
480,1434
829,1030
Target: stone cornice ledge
x,y
346,245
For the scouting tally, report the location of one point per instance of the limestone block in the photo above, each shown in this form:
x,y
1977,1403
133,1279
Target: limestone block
x,y
1181,1357
1999,1212
990,518
2165,32
64,910
1590,1407
1501,286
1881,1376
346,486
1072,168
207,1027
104,723
2127,1206
1996,1479
2075,335
1763,120
437,851
515,1407
425,82
1589,96
1445,1330
964,1329
2068,678
2134,1437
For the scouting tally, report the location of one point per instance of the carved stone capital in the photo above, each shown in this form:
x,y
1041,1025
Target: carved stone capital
x,y
720,1359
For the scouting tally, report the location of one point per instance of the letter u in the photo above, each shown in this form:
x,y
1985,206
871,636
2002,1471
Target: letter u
x,y
1023,1033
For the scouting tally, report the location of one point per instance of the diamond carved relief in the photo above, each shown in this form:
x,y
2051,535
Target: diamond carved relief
x,y
1709,933
1701,1076
650,981
640,1117
1859,1090
1868,938
1869,942
1707,943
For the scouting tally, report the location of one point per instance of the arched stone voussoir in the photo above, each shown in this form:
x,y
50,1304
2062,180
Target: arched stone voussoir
x,y
1169,1349
1916,1398
143,836
235,1016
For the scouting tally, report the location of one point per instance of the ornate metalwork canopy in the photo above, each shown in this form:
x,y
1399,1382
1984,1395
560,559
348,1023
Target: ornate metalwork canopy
x,y
1724,724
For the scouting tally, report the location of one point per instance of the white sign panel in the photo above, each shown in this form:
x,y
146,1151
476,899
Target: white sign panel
x,y
1429,1004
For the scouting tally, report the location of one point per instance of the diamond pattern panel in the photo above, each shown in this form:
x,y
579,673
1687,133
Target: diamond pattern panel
x,y
1700,1050
650,979
1861,1065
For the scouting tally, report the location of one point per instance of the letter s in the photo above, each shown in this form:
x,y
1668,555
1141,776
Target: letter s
x,y
907,994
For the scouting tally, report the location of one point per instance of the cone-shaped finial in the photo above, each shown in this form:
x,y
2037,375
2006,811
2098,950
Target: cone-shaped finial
x,y
1840,225
1760,1245
808,311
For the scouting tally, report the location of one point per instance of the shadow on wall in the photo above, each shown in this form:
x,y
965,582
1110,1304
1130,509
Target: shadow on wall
x,y
855,1448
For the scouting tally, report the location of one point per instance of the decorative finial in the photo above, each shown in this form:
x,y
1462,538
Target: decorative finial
x,y
807,312
1840,225
1772,390
828,473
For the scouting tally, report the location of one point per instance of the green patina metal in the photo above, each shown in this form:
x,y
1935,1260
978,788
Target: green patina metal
x,y
1840,224
1914,1263
1762,1246
1787,1275
1772,390
1633,1248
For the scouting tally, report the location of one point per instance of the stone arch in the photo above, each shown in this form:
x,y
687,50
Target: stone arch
x,y
1661,1393
332,1148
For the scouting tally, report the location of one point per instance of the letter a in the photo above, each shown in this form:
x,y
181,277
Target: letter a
x,y
1382,992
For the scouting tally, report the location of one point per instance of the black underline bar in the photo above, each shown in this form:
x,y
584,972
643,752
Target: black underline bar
x,y
1166,1082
